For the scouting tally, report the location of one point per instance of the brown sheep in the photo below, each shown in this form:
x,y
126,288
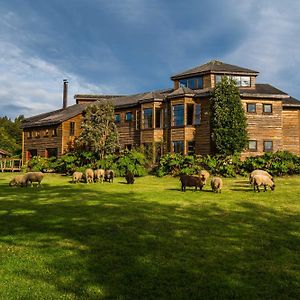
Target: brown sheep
x,y
18,180
31,177
259,180
99,175
216,184
259,172
129,176
188,180
89,176
204,175
77,177
109,175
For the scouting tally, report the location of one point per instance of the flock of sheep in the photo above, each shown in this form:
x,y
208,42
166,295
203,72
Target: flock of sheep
x,y
257,178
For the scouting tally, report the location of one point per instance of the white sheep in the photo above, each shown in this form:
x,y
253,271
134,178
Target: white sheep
x,y
204,175
18,180
31,177
216,184
259,172
259,180
89,176
77,177
99,175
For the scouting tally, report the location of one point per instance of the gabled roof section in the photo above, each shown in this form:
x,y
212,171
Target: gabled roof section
x,y
182,91
55,117
152,96
214,66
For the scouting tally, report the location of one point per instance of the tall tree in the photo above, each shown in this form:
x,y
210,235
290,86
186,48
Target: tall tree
x,y
99,131
228,119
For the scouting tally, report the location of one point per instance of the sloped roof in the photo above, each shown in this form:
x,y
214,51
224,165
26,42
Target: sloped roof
x,y
214,66
263,90
291,102
181,92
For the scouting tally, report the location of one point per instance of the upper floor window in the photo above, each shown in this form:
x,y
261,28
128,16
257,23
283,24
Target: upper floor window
x,y
193,83
37,134
46,133
251,107
198,114
157,118
178,146
243,81
129,116
252,146
268,146
190,114
54,132
117,118
29,134
267,108
72,128
178,115
148,113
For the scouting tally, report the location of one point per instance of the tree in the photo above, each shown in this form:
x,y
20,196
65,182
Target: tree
x,y
99,131
228,120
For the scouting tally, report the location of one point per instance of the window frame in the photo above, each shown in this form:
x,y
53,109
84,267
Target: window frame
x,y
148,119
72,129
272,146
190,143
252,149
197,120
129,113
267,105
158,117
117,118
175,117
190,114
177,143
251,112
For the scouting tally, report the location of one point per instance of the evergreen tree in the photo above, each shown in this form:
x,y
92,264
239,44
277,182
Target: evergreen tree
x,y
99,131
228,120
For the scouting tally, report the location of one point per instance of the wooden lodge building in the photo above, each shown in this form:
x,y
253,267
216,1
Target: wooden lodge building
x,y
175,119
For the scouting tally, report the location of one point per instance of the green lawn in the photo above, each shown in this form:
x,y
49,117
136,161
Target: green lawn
x,y
149,240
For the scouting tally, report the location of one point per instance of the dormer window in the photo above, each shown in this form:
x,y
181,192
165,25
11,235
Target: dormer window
x,y
193,83
242,81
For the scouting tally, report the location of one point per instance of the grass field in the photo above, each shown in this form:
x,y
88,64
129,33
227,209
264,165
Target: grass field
x,y
149,240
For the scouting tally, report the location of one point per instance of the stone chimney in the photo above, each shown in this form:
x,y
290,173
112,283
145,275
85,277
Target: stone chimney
x,y
65,94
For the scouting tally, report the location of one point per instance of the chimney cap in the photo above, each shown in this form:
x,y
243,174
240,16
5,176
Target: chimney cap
x,y
65,80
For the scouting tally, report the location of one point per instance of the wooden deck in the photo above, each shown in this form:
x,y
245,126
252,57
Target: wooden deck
x,y
10,164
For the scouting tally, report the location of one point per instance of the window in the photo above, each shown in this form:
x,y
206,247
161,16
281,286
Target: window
x,y
166,117
51,152
252,146
193,83
190,114
191,148
148,113
268,146
267,108
54,132
198,114
37,134
29,134
31,153
178,147
46,133
128,116
251,107
242,81
178,115
157,117
72,128
117,118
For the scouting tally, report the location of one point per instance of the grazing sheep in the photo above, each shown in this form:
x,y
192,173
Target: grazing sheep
x,y
204,175
259,172
129,176
188,180
18,180
259,180
216,184
109,175
77,177
89,176
99,175
31,177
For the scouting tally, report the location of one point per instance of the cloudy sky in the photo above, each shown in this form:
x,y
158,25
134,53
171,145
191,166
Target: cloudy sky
x,y
129,46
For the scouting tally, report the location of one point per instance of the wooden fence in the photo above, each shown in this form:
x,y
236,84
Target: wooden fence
x,y
10,164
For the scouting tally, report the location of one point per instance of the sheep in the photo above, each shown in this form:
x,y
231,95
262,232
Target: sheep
x,y
18,180
77,177
99,175
259,172
188,180
31,177
216,184
204,175
89,176
129,176
264,180
109,175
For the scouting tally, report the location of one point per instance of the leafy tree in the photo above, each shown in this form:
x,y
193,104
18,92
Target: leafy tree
x,y
228,120
99,131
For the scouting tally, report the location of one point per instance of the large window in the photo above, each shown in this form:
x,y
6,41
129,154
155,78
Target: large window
x,y
242,81
198,114
178,147
267,108
148,112
193,83
251,107
178,115
252,146
72,128
268,146
157,117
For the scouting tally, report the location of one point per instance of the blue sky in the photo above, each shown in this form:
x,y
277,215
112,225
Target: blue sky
x,y
130,46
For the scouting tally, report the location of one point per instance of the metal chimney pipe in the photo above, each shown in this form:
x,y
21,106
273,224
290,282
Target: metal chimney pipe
x,y
65,94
